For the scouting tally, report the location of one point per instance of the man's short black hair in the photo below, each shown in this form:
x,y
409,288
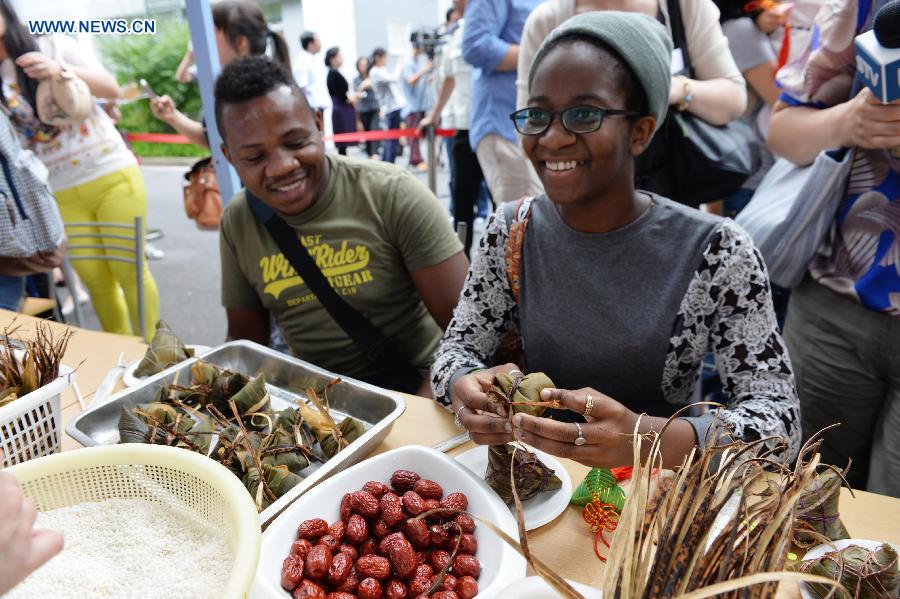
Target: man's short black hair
x,y
251,77
306,38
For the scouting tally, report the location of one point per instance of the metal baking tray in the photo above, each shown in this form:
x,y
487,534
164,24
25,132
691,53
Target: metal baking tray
x,y
286,380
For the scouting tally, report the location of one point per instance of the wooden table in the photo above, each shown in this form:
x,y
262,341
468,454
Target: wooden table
x,y
565,544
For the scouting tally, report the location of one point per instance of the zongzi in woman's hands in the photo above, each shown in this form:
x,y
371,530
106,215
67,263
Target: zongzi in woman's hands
x,y
522,394
165,350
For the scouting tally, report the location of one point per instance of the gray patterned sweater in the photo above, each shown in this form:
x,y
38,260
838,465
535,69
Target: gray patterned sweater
x,y
632,313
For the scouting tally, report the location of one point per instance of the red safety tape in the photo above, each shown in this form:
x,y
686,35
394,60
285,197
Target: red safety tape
x,y
174,138
159,138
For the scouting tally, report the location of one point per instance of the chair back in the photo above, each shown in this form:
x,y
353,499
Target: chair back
x,y
125,239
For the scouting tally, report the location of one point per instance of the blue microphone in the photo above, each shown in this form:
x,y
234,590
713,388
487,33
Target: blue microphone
x,y
878,54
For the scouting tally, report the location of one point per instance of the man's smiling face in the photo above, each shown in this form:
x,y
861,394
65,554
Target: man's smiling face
x,y
275,144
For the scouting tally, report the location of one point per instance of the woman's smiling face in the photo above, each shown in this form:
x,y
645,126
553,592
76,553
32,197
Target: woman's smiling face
x,y
579,168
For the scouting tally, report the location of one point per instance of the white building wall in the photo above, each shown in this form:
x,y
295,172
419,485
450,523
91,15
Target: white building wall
x,y
334,21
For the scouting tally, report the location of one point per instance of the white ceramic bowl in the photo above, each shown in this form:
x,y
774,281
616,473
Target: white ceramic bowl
x,y
500,564
534,587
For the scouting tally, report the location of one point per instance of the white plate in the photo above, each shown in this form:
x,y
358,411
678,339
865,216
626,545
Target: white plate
x,y
500,563
534,587
820,550
130,380
541,509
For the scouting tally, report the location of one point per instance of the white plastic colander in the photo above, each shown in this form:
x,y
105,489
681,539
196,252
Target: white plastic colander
x,y
31,426
184,481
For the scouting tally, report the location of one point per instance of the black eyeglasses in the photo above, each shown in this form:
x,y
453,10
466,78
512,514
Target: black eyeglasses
x,y
577,119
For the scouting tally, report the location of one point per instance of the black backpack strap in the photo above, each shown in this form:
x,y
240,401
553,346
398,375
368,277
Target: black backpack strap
x,y
380,351
679,39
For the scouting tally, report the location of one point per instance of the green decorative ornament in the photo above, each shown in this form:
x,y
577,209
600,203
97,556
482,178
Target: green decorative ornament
x,y
599,481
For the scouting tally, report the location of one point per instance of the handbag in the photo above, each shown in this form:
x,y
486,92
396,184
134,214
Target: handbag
x,y
30,222
395,370
692,161
202,201
792,211
64,99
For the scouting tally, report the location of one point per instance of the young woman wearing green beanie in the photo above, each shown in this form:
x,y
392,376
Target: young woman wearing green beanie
x,y
617,293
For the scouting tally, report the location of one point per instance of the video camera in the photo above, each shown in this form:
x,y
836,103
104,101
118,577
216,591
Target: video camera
x,y
430,40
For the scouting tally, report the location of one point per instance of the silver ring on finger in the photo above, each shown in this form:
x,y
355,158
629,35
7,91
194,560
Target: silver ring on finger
x,y
456,419
517,373
579,440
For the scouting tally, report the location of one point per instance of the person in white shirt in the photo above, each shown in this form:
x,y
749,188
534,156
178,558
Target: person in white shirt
x,y
310,72
390,97
455,95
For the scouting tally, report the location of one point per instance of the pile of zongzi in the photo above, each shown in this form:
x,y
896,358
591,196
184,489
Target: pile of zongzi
x,y
516,394
864,573
229,417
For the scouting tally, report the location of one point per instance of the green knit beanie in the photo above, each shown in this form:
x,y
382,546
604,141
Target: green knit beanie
x,y
641,41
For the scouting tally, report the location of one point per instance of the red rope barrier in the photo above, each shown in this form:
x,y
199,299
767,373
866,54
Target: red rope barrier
x,y
174,138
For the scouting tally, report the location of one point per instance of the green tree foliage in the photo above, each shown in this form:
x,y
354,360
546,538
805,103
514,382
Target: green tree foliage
x,y
154,58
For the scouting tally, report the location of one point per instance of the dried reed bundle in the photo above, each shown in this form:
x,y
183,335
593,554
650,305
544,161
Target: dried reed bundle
x,y
719,527
37,366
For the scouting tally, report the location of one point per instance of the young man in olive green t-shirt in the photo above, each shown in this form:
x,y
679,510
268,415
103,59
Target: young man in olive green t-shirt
x,y
377,234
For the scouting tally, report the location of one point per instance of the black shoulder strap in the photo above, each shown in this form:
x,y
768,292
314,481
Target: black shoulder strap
x,y
679,39
378,349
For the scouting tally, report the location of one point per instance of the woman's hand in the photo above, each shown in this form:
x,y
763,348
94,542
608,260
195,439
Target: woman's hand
x,y
607,432
163,108
22,549
676,90
869,124
771,19
485,420
39,66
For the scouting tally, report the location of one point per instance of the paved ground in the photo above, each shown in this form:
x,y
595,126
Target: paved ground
x,y
188,276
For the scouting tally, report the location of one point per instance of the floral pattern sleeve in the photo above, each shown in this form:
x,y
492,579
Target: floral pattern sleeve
x,y
483,314
728,310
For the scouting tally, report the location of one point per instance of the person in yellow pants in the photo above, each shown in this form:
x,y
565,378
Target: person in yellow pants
x,y
93,175
118,197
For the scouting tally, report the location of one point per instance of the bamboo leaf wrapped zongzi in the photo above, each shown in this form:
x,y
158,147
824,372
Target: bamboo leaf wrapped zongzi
x,y
864,573
520,393
817,511
531,475
165,350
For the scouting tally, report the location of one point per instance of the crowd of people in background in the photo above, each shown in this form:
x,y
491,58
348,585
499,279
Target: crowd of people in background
x,y
552,106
